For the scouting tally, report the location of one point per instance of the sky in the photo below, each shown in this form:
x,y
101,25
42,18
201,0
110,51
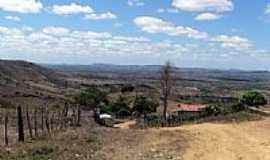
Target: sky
x,y
220,34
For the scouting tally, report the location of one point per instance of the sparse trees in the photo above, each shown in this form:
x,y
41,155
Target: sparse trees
x,y
166,86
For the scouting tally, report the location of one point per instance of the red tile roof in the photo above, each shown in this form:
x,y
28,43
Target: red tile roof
x,y
190,107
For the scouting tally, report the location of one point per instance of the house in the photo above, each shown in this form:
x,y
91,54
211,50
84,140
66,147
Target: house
x,y
188,111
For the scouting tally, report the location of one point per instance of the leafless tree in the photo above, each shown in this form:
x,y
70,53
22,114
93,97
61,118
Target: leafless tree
x,y
166,86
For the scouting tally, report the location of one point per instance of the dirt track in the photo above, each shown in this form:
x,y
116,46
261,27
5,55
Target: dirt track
x,y
208,141
245,141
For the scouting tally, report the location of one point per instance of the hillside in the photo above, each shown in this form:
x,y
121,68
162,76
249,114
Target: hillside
x,y
25,79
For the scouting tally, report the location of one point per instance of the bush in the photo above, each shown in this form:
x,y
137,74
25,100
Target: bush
x,y
119,107
144,105
127,88
253,98
91,98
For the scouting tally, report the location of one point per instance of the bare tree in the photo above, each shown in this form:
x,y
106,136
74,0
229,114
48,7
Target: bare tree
x,y
166,86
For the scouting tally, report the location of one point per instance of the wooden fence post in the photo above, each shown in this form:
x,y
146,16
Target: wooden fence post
x,y
6,128
78,115
42,119
29,123
20,124
47,123
35,123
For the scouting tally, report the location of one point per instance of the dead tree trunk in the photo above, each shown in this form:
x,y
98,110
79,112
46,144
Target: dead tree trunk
x,y
20,124
35,123
6,129
29,123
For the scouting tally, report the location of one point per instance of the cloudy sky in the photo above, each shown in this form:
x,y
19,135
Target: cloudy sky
x,y
225,34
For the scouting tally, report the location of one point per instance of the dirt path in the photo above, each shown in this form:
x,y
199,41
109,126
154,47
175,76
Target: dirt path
x,y
245,141
208,141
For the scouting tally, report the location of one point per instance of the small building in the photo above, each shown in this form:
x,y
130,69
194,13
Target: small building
x,y
189,111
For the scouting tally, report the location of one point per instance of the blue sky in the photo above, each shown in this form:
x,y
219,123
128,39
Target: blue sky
x,y
225,34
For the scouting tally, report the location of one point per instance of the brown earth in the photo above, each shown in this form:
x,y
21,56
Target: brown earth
x,y
208,141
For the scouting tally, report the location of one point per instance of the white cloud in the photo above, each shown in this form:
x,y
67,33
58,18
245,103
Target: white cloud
x,y
207,17
21,6
236,42
267,9
84,47
169,10
13,18
55,30
101,16
72,8
203,5
135,3
156,25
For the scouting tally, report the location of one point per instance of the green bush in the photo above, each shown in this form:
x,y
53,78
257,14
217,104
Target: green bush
x,y
253,98
144,105
91,98
120,106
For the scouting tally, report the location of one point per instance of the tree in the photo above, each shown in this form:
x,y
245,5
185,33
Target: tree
x,y
144,105
253,98
121,105
92,98
166,86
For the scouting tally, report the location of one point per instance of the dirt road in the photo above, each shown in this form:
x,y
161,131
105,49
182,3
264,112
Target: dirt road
x,y
244,141
208,141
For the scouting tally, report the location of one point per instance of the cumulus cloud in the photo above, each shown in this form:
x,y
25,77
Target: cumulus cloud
x,y
156,25
203,5
168,10
101,16
13,18
72,8
21,6
207,17
135,3
267,9
55,30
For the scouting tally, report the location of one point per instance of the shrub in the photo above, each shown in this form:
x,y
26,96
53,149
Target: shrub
x,y
253,98
127,88
120,106
91,98
144,105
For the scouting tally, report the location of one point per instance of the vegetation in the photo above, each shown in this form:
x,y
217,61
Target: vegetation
x,y
144,105
120,107
253,98
91,98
